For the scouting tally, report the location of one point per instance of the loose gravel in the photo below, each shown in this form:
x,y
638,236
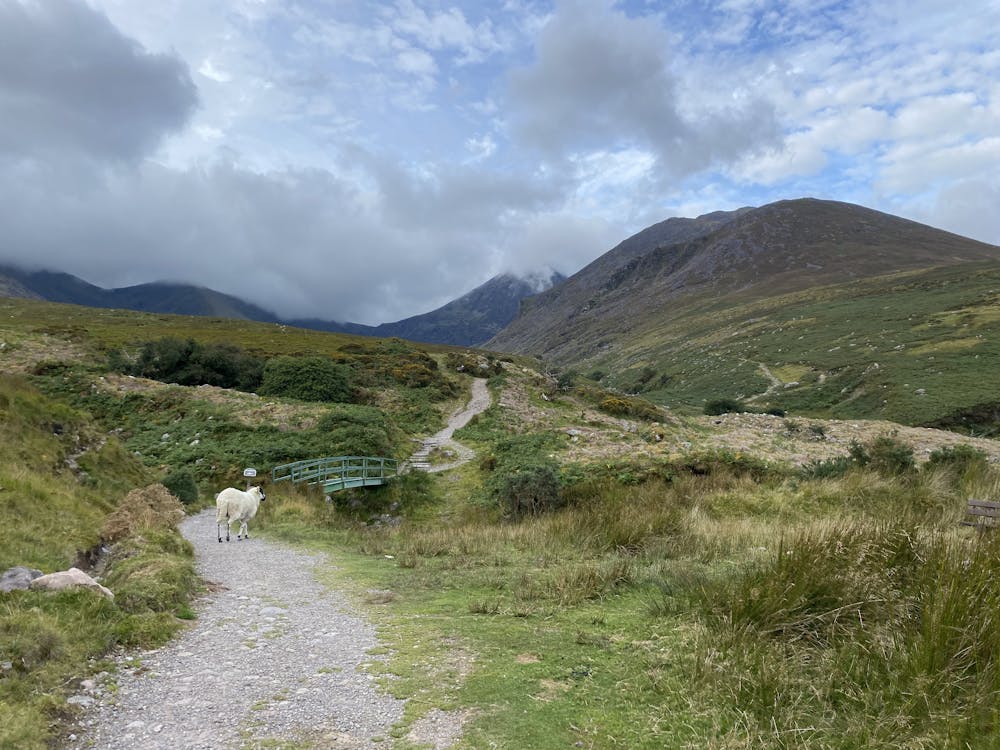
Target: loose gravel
x,y
273,659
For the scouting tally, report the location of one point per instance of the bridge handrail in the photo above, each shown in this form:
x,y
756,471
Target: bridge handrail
x,y
318,470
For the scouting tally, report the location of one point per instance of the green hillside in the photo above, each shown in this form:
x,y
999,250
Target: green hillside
x,y
916,348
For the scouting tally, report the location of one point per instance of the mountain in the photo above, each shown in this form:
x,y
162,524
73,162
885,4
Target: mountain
x,y
805,292
469,320
158,297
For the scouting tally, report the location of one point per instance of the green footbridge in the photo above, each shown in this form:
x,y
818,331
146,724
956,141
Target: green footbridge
x,y
338,472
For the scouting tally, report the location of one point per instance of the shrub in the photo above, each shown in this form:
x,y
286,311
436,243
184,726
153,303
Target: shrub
x,y
961,458
630,406
527,490
884,454
723,406
306,379
566,379
187,362
722,462
829,468
181,484
775,411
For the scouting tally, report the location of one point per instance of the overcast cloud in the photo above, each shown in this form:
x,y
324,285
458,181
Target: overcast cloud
x,y
368,161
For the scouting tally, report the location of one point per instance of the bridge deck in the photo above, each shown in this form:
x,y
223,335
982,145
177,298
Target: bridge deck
x,y
338,472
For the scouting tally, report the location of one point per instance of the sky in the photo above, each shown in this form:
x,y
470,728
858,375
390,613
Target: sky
x,y
369,161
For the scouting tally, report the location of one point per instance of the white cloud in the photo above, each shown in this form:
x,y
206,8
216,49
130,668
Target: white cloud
x,y
480,148
416,62
968,207
443,30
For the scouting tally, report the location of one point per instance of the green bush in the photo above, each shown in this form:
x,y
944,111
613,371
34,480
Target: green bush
x,y
961,458
828,468
724,462
885,455
723,406
630,406
524,478
527,490
181,484
187,362
306,379
566,379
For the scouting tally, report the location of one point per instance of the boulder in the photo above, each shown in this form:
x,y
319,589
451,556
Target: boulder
x,y
67,579
18,578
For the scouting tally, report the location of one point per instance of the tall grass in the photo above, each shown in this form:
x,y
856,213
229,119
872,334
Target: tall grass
x,y
864,634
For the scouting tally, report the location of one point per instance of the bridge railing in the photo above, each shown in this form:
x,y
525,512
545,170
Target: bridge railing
x,y
338,472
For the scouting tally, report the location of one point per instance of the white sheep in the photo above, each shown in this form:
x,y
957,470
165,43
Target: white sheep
x,y
236,505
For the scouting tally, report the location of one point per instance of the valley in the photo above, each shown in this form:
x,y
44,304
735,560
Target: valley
x,y
673,573
722,518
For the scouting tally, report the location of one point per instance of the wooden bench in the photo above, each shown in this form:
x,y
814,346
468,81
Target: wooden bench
x,y
982,514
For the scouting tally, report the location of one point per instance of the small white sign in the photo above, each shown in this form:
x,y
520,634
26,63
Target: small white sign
x,y
249,472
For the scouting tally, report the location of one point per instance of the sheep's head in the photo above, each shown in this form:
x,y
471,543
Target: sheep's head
x,y
260,491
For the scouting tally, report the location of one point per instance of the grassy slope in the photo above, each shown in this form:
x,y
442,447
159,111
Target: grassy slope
x,y
913,349
53,512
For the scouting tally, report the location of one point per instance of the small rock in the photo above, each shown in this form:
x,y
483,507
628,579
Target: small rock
x,y
18,578
80,700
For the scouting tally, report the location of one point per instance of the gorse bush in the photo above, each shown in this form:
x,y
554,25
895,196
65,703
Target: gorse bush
x,y
630,406
306,379
526,490
827,468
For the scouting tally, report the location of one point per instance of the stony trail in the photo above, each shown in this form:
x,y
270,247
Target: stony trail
x,y
479,402
273,658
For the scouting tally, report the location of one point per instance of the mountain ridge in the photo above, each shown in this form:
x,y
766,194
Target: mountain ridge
x,y
775,249
468,320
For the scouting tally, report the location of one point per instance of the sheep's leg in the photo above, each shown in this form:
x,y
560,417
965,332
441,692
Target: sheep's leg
x,y
244,531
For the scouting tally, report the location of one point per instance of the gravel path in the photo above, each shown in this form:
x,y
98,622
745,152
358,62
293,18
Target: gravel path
x,y
274,658
478,403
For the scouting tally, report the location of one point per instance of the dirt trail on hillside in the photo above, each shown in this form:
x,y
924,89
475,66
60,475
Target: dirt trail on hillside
x,y
274,660
478,403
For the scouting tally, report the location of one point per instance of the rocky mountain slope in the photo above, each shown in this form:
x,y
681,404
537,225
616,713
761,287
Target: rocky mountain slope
x,y
469,320
726,259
